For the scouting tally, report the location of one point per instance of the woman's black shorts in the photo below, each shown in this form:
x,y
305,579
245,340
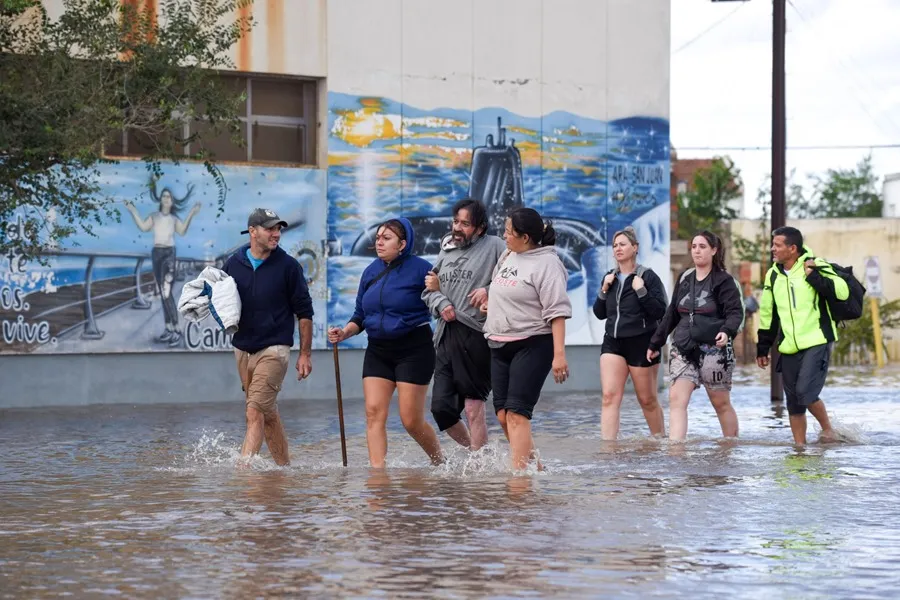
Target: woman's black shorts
x,y
518,372
407,359
632,349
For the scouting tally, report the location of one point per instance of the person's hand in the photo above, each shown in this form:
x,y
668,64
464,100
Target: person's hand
x,y
637,283
484,308
762,361
448,314
304,366
196,208
478,297
336,335
560,368
607,281
721,339
432,283
128,204
809,265
652,354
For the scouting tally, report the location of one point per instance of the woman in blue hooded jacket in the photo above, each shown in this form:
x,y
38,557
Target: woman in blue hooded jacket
x,y
400,352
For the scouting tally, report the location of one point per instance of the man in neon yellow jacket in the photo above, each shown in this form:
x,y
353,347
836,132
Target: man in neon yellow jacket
x,y
794,300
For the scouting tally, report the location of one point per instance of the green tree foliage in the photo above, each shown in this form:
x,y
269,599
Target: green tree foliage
x,y
68,84
846,193
859,335
706,203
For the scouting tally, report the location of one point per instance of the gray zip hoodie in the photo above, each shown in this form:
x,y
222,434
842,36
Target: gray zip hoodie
x,y
528,291
460,271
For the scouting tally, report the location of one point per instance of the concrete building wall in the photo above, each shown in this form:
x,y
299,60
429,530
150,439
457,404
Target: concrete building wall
x,y
408,92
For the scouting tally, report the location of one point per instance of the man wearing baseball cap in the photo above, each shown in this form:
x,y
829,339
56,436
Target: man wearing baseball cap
x,y
273,293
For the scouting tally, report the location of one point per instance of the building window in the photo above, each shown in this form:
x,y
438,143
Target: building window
x,y
278,125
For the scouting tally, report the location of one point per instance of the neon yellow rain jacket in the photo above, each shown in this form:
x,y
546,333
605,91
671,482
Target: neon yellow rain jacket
x,y
795,302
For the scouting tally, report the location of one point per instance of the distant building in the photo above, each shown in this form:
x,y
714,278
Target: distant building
x,y
890,195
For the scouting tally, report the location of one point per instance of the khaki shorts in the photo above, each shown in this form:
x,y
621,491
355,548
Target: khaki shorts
x,y
262,374
714,373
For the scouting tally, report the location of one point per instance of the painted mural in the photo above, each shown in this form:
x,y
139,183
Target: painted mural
x,y
589,177
116,292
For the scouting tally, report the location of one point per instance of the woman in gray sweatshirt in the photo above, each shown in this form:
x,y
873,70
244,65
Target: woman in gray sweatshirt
x,y
526,326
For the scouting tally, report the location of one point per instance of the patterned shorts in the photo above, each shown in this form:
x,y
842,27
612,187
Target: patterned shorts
x,y
714,373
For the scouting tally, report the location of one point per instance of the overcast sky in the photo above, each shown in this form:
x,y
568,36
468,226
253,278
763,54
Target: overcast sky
x,y
843,83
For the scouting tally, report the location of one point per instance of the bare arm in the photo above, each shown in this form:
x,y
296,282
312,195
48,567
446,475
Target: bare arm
x,y
181,227
142,224
306,334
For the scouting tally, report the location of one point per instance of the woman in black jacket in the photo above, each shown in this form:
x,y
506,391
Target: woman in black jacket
x,y
706,313
632,300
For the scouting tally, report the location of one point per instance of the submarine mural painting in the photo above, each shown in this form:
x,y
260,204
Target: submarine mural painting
x,y
588,177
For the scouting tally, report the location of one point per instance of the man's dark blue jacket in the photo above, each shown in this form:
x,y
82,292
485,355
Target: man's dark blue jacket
x,y
272,296
393,306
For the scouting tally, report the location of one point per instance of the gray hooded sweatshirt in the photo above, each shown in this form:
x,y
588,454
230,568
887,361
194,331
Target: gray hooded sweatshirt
x,y
528,291
460,271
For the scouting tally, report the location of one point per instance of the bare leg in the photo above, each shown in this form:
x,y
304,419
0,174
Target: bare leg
x,y
412,415
377,392
475,415
501,416
520,441
645,386
817,409
798,429
253,439
613,374
276,439
679,397
721,401
459,433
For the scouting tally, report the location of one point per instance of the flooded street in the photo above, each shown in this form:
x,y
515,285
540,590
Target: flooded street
x,y
146,502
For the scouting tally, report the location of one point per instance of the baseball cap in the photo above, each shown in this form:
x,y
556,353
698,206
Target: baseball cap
x,y
265,218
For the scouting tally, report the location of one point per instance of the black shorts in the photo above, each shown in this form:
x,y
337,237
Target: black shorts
x,y
632,349
803,375
518,372
462,370
407,359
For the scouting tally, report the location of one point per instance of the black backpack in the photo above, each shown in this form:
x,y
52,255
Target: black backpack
x,y
841,310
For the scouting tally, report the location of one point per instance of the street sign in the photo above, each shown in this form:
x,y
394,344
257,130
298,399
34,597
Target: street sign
x,y
874,287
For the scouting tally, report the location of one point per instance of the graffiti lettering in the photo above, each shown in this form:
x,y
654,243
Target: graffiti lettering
x,y
638,174
17,262
12,299
198,337
15,230
22,331
646,175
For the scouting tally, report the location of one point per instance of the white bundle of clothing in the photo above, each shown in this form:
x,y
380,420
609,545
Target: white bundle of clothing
x,y
214,293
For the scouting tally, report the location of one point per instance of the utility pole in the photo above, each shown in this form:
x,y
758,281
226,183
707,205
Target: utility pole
x,y
779,144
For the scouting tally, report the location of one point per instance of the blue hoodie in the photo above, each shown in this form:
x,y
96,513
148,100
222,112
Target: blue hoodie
x,y
271,296
393,306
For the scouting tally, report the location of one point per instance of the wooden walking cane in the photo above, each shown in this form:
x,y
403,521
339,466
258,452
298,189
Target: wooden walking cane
x,y
337,383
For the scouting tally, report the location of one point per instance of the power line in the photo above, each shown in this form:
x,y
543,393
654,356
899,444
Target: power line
x,y
708,29
790,148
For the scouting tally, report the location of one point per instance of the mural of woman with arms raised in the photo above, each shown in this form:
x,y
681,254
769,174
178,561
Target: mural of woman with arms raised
x,y
165,223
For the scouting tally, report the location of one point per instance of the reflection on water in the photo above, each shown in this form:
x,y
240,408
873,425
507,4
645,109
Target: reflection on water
x,y
147,502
